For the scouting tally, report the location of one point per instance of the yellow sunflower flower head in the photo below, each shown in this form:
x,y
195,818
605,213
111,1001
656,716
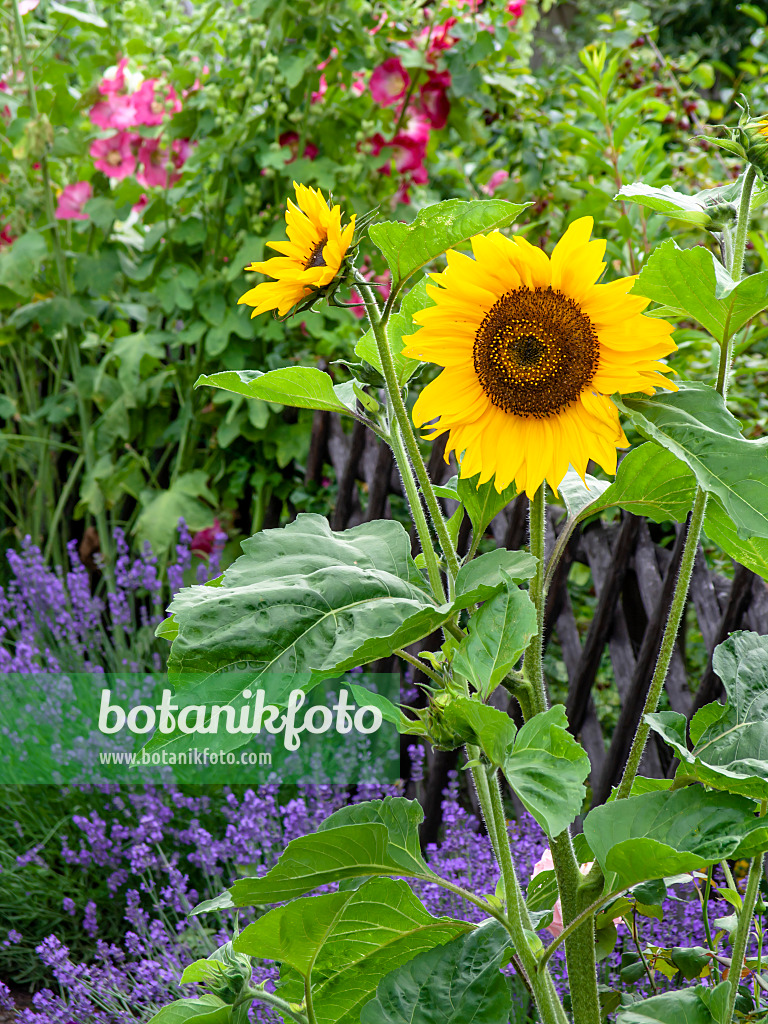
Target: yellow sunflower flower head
x,y
311,258
531,348
755,141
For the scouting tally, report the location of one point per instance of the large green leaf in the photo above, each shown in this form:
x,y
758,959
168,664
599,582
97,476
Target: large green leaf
x,y
379,837
482,503
300,604
305,387
750,551
697,1005
498,635
407,247
694,283
666,833
483,575
547,769
666,200
458,983
579,494
651,482
483,725
730,741
344,943
185,499
206,1010
694,424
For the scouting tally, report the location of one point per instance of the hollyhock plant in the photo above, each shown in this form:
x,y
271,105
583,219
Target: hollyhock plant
x,y
114,112
389,82
154,101
435,105
72,200
291,140
116,155
155,160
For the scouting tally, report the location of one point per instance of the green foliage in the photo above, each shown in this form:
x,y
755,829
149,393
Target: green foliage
x,y
455,983
205,1010
690,1006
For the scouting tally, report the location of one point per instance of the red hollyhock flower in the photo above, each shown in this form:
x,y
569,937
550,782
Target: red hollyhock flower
x,y
389,82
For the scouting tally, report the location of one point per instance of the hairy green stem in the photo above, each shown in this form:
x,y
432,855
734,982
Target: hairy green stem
x,y
742,225
404,422
280,1004
532,660
742,930
667,642
419,665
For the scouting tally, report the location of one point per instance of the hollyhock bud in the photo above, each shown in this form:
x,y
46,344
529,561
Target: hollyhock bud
x,y
72,200
389,82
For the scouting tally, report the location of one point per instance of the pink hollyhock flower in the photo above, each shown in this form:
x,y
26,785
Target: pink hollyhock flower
x,y
151,99
155,173
358,83
439,39
6,238
324,64
322,89
114,83
116,155
496,179
25,6
138,207
205,541
116,112
291,140
515,8
389,82
379,25
435,104
72,200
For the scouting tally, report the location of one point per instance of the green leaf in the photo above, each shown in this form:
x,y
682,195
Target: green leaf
x,y
483,503
665,200
408,247
498,635
666,833
389,712
690,960
542,891
380,839
304,387
398,327
547,769
694,283
651,482
579,494
457,983
682,1007
750,551
694,424
161,510
482,576
346,942
491,729
68,12
731,741
206,1010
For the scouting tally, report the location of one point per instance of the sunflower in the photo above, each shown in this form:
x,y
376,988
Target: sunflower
x,y
531,348
310,259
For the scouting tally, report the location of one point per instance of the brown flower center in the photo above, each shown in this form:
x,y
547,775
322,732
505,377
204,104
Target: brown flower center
x,y
535,352
316,258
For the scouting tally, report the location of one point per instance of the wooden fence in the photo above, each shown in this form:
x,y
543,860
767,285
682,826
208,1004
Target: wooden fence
x,y
633,578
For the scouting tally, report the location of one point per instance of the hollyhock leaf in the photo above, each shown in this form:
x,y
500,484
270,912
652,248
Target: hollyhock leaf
x,y
666,833
483,503
456,983
695,283
651,482
731,741
347,941
205,1010
750,551
547,769
304,387
681,1007
408,247
366,849
482,576
695,425
665,200
499,633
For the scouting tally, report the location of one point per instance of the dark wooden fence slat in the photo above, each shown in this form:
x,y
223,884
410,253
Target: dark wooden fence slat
x,y
346,493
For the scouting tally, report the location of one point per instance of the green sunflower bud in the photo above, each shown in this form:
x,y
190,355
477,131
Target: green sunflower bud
x,y
441,731
231,973
754,138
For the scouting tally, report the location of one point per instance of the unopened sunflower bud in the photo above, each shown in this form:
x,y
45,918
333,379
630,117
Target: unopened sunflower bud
x,y
442,733
754,138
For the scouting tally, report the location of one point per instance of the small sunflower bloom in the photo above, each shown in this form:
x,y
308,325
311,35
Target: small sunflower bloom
x,y
532,348
311,258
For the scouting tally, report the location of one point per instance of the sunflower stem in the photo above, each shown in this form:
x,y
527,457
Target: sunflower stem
x,y
379,325
532,660
743,928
